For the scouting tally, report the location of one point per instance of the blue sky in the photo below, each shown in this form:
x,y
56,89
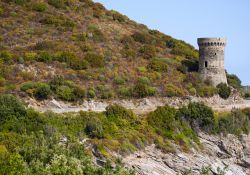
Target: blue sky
x,y
189,19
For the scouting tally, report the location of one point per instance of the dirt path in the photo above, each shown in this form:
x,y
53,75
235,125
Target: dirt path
x,y
139,106
229,107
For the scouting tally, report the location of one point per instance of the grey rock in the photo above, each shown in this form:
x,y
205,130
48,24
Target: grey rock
x,y
220,154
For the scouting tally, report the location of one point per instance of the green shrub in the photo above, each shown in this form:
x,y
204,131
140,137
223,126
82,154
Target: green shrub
x,y
94,128
157,65
13,14
80,37
42,91
6,56
198,115
164,145
181,48
44,57
40,6
141,90
105,92
10,106
233,81
119,17
72,61
128,52
148,51
152,91
144,80
192,91
95,60
247,112
57,3
163,120
78,64
119,80
58,21
2,81
65,93
1,11
96,34
29,56
57,80
114,112
224,90
79,92
91,93
171,43
236,122
125,92
27,85
206,91
142,37
173,91
142,69
86,47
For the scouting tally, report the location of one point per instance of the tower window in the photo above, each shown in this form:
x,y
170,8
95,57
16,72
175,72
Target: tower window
x,y
206,64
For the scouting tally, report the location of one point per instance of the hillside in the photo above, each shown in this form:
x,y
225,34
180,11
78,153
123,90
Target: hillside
x,y
72,50
87,91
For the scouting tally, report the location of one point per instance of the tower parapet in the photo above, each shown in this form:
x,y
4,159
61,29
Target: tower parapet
x,y
211,61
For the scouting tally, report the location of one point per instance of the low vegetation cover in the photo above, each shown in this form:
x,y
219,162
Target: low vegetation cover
x,y
49,143
103,54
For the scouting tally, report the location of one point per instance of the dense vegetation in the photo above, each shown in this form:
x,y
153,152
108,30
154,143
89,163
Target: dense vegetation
x,y
97,53
49,143
33,143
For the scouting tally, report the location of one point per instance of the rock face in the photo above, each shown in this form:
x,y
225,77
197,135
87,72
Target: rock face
x,y
229,154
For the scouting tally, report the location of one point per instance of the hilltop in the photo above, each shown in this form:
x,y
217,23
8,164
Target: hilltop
x,y
72,50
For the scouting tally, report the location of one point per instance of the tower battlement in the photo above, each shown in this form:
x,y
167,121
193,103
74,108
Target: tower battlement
x,y
204,42
211,60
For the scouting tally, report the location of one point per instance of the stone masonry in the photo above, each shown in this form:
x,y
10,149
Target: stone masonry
x,y
211,62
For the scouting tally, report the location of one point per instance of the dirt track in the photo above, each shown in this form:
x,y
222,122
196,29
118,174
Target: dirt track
x,y
139,106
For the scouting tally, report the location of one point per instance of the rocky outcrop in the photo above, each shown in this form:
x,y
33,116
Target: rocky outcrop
x,y
228,154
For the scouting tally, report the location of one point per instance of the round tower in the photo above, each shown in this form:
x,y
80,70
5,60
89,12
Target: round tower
x,y
211,62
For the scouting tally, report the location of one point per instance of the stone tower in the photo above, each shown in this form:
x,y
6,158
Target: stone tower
x,y
211,62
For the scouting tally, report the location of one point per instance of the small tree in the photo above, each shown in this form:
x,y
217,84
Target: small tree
x,y
42,91
94,128
65,93
198,115
223,90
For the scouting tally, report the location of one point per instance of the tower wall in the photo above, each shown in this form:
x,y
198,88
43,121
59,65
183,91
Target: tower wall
x,y
211,62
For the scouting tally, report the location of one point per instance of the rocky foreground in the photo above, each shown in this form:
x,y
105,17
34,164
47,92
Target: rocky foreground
x,y
229,155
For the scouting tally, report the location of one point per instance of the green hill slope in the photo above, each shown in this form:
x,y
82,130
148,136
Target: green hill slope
x,y
72,49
